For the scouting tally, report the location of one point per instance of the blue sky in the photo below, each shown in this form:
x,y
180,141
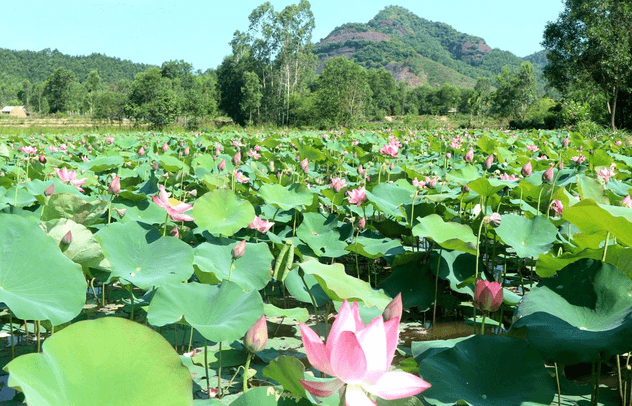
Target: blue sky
x,y
155,31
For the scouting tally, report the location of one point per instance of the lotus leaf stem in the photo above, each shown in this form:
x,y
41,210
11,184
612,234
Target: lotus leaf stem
x,y
245,373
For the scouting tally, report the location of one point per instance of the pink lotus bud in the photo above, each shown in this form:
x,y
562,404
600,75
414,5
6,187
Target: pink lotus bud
x,y
465,189
174,232
305,165
448,155
618,143
557,207
489,161
394,308
237,158
154,166
141,151
222,165
165,147
527,169
488,296
49,190
67,238
360,170
42,158
547,176
239,250
256,338
565,142
469,156
187,151
560,166
362,223
115,185
120,212
392,166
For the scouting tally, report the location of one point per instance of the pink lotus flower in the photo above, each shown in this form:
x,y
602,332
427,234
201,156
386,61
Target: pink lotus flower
x,y
419,184
109,140
305,165
578,159
257,336
488,296
607,173
240,177
557,207
565,142
141,151
618,143
627,202
28,149
512,177
359,357
390,150
469,156
165,147
254,154
357,196
173,207
69,177
263,226
532,148
53,148
338,183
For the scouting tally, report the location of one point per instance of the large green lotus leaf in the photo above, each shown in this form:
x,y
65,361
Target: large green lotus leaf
x,y
103,163
142,257
583,311
73,207
84,248
220,211
295,313
339,286
37,187
415,282
219,313
389,198
455,267
591,218
321,234
589,188
172,164
528,237
296,288
487,187
453,236
618,256
463,175
145,211
108,361
270,396
37,281
287,371
374,245
251,272
286,198
484,370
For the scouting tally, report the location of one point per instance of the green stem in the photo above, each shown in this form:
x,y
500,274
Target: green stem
x,y
478,247
131,294
208,381
230,271
434,311
605,248
190,339
11,332
483,324
164,227
559,388
245,375
219,372
539,198
37,335
412,209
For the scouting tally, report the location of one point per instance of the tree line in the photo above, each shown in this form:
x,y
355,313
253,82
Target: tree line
x,y
270,78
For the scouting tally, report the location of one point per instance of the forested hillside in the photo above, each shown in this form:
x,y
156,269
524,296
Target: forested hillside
x,y
400,38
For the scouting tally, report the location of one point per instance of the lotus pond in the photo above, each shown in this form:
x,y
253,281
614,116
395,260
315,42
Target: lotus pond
x,y
398,268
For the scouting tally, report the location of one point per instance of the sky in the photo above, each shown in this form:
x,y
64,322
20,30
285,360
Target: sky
x,y
199,31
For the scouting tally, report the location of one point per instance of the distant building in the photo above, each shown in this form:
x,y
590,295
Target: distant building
x,y
14,111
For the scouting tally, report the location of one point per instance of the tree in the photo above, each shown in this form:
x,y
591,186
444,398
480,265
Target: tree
x,y
343,94
516,91
251,94
591,41
58,89
153,99
92,86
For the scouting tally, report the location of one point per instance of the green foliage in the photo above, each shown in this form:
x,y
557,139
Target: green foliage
x,y
516,91
58,89
153,99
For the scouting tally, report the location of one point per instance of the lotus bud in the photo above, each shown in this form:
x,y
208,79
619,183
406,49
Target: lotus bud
x,y
465,189
392,166
492,220
67,238
49,190
547,176
560,166
394,308
565,142
448,155
165,147
42,158
141,151
256,338
239,250
469,156
115,185
362,223
305,165
174,232
488,296
222,165
154,166
237,158
187,151
527,169
360,170
489,161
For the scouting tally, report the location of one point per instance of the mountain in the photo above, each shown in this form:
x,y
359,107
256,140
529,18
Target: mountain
x,y
417,50
37,66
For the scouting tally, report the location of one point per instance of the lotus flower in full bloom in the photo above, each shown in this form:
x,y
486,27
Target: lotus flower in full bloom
x,y
357,196
70,177
359,358
173,207
261,225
